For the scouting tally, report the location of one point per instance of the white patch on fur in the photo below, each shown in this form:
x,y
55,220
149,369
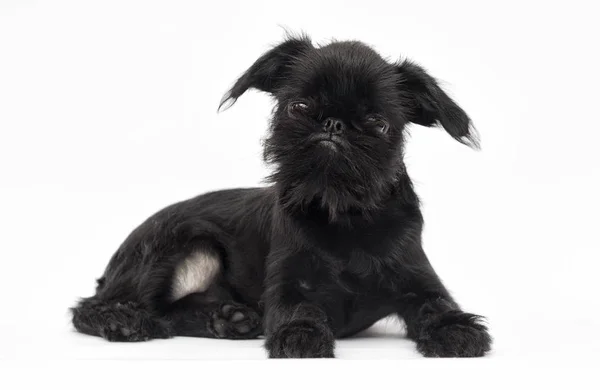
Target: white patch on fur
x,y
304,284
195,274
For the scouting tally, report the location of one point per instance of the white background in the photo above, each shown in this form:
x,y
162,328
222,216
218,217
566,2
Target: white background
x,y
108,113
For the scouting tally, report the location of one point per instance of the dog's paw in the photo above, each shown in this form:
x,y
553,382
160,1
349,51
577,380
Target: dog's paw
x,y
235,321
127,322
119,333
301,339
454,334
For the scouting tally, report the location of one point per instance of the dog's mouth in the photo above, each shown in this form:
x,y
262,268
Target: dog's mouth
x,y
330,141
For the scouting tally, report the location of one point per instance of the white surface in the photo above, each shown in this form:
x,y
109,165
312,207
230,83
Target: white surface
x,y
108,113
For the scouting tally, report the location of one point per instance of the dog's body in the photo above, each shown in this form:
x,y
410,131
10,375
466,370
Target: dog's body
x,y
333,246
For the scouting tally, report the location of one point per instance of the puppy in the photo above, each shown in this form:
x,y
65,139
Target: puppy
x,y
332,246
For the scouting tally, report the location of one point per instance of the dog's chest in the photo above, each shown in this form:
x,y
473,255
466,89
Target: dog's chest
x,y
366,258
354,273
356,292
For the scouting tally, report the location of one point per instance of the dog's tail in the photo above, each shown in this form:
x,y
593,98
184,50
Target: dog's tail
x,y
119,321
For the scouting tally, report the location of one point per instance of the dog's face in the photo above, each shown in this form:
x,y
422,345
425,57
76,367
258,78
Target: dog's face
x,y
337,130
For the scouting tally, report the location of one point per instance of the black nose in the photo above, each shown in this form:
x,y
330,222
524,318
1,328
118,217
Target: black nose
x,y
333,125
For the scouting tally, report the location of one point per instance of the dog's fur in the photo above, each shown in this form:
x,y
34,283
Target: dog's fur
x,y
330,248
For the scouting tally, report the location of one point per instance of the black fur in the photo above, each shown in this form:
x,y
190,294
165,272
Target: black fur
x,y
330,248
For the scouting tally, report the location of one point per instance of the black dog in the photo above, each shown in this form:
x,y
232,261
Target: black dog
x,y
330,248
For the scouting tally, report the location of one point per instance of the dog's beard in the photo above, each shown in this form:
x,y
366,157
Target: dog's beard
x,y
334,173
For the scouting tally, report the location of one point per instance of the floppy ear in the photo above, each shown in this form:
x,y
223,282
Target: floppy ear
x,y
430,105
269,72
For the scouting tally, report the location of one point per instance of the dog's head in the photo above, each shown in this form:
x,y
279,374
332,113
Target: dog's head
x,y
337,131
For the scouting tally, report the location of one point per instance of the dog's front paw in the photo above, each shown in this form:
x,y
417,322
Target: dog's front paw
x,y
301,339
454,334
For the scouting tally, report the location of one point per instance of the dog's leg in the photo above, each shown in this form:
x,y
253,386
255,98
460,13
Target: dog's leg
x,y
300,331
119,321
295,326
434,320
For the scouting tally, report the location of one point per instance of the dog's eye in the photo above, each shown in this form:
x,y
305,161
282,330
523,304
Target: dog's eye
x,y
297,107
378,124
